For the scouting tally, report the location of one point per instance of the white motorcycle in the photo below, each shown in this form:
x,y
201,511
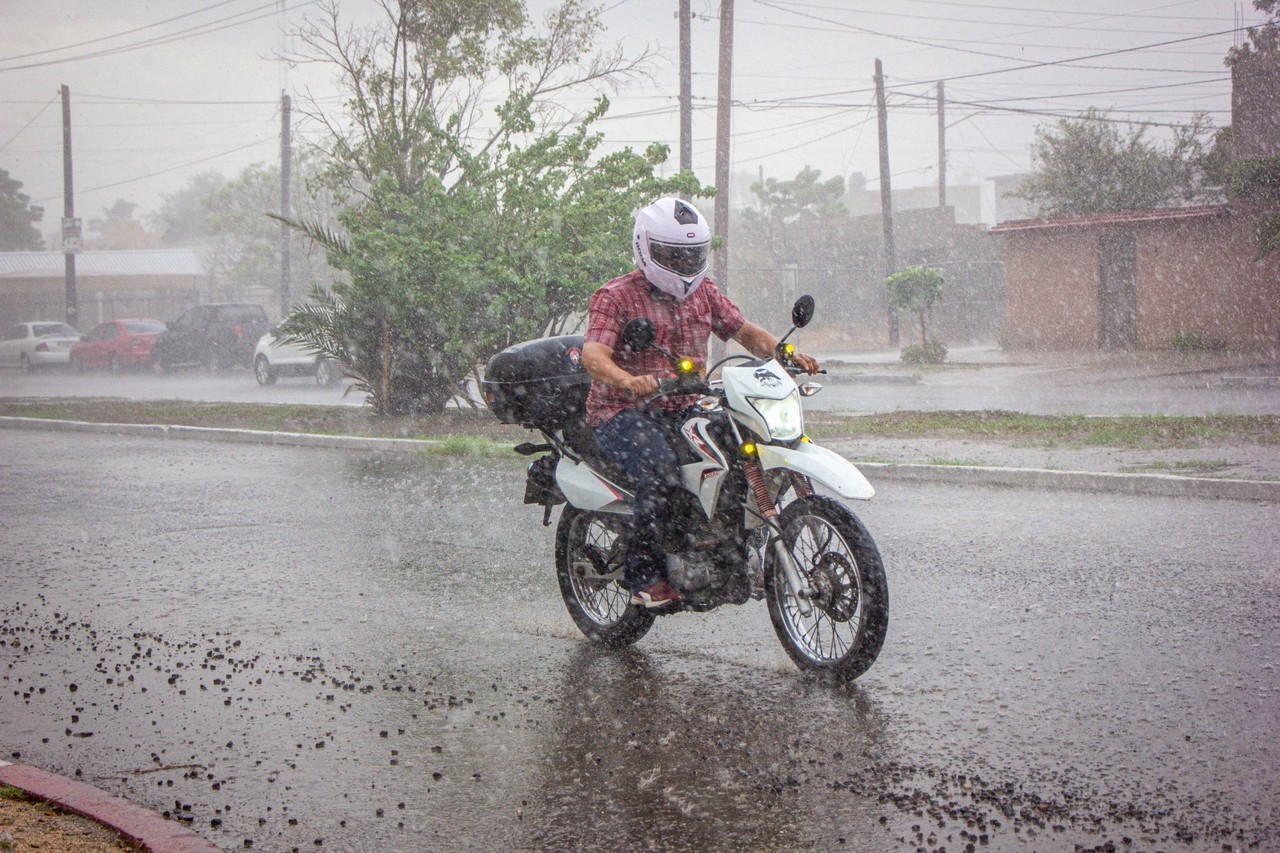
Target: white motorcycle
x,y
749,523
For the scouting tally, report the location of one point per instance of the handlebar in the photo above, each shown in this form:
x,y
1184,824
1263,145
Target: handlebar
x,y
689,383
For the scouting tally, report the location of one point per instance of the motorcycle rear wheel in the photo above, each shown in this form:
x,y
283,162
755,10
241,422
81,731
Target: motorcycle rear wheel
x,y
842,635
589,550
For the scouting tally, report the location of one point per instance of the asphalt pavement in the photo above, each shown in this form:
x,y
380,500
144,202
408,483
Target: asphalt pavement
x,y
285,645
976,378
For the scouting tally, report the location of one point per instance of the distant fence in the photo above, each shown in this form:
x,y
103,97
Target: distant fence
x,y
853,304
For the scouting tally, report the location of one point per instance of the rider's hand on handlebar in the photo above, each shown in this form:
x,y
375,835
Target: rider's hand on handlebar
x,y
641,386
807,363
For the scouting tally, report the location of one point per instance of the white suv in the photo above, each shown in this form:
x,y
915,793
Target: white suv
x,y
272,359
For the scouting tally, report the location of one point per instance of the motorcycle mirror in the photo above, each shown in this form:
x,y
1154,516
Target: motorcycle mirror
x,y
638,334
802,311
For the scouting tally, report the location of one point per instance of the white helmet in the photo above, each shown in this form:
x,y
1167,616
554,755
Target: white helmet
x,y
671,243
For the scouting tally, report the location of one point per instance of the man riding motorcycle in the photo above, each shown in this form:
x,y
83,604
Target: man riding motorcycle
x,y
671,244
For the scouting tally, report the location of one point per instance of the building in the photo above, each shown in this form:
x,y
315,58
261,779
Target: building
x,y
1143,279
1009,205
156,283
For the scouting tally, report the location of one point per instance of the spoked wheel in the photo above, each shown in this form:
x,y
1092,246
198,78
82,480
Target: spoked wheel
x,y
589,550
844,629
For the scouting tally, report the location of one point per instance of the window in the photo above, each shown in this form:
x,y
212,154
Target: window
x,y
143,327
241,313
44,330
14,333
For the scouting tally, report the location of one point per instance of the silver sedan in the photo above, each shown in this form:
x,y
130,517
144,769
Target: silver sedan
x,y
39,344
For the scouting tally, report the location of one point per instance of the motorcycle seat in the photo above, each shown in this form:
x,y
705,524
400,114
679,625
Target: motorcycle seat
x,y
581,440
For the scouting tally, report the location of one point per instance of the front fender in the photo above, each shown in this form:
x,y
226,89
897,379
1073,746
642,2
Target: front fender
x,y
817,463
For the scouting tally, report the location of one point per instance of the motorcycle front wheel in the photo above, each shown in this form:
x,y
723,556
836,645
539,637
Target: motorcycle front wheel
x,y
589,551
848,615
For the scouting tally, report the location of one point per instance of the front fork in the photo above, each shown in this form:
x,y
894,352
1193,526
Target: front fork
x,y
769,513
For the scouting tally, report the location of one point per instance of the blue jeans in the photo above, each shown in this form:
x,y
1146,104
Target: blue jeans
x,y
641,442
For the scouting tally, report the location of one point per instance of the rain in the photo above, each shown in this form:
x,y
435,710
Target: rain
x,y
1041,242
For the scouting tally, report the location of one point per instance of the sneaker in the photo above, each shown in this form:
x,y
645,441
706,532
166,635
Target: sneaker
x,y
657,594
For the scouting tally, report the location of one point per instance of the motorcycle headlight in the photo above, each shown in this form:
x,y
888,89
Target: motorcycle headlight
x,y
784,417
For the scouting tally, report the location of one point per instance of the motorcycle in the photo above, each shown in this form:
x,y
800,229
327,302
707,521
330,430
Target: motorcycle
x,y
749,523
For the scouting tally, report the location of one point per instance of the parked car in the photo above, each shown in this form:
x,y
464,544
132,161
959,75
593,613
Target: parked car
x,y
115,345
39,344
215,336
272,358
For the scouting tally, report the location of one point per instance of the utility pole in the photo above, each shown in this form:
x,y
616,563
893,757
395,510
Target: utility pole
x,y
286,171
724,107
942,147
71,235
886,196
686,90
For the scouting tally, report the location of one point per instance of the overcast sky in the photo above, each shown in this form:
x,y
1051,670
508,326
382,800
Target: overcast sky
x,y
164,89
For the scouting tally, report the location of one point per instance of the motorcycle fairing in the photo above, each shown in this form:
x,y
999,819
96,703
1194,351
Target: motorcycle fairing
x,y
586,489
705,476
768,380
817,463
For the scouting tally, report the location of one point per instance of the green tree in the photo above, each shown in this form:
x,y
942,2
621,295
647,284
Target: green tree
x,y
1088,165
1264,38
183,217
118,229
1256,181
18,217
223,221
916,289
471,222
789,206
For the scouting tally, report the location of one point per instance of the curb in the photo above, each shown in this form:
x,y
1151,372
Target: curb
x,y
1152,485
139,825
1149,485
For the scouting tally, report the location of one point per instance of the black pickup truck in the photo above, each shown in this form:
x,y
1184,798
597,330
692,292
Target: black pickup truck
x,y
215,336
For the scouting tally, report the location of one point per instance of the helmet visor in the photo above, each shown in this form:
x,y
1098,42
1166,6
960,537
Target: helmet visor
x,y
683,260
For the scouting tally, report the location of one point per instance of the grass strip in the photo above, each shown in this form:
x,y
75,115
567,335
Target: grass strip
x,y
1145,432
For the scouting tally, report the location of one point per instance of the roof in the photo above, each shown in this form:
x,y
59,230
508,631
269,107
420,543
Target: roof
x,y
102,263
1123,217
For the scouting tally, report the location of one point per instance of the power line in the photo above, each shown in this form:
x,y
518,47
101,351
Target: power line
x,y
28,124
113,35
180,35
1040,9
137,178
1042,64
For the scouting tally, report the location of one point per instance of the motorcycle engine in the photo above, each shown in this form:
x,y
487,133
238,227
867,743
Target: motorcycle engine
x,y
690,571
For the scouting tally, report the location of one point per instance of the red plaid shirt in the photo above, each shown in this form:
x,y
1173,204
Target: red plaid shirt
x,y
682,330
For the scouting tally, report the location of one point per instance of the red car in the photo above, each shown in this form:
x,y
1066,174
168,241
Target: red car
x,y
116,344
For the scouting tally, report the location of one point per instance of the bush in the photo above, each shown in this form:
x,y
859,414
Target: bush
x,y
1190,340
934,352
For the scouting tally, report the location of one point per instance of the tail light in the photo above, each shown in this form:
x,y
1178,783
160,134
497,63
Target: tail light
x,y
42,347
238,330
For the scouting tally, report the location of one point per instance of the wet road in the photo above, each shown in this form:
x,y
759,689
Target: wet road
x,y
232,386
854,388
305,649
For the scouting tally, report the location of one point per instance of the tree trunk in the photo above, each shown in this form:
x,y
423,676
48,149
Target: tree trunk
x,y
386,367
